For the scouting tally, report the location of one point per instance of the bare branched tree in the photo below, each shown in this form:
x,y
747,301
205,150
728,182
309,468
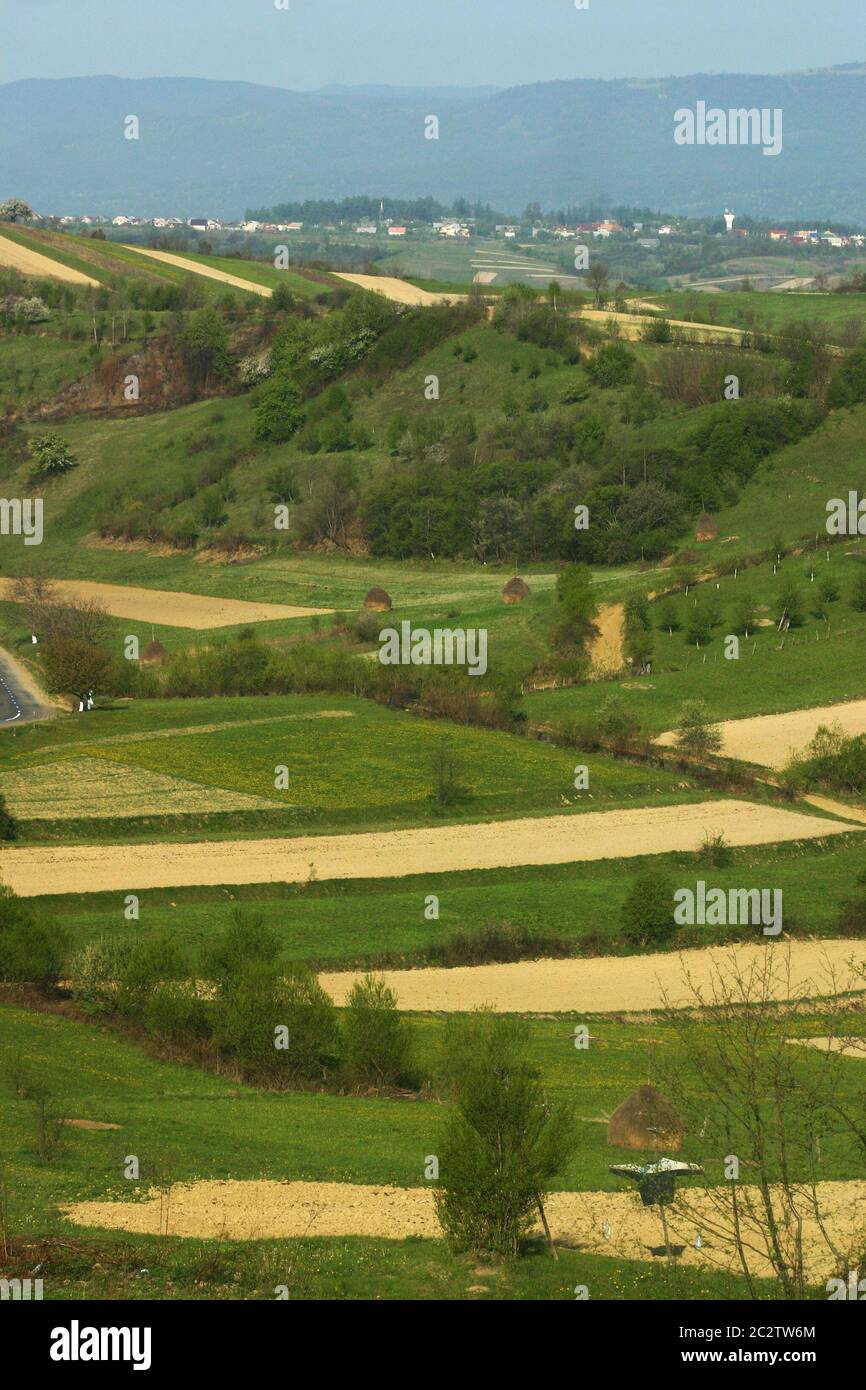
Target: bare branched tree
x,y
763,1108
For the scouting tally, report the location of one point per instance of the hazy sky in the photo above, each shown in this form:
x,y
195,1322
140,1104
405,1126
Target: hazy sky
x,y
423,42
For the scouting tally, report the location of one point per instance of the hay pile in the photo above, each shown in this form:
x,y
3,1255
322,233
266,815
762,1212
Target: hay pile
x,y
515,591
377,601
645,1120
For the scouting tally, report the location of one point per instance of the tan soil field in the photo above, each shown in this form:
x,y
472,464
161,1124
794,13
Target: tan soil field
x,y
395,853
169,608
606,650
29,262
208,271
608,984
400,291
632,326
97,789
770,739
837,808
258,1210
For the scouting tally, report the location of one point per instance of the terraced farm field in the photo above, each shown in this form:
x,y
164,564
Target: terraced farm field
x,y
172,609
285,922
29,262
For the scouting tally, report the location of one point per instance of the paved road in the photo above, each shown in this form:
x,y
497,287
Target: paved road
x,y
19,703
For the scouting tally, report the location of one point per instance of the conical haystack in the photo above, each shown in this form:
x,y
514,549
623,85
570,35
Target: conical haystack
x,y
377,601
645,1120
515,591
706,529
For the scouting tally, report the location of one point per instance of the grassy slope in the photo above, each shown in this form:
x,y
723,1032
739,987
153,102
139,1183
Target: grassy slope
x,y
185,1124
34,368
262,273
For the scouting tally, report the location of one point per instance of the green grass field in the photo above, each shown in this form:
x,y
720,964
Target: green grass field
x,y
373,768
261,273
773,312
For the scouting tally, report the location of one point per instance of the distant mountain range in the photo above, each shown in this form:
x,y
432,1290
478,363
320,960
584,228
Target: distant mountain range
x,y
218,148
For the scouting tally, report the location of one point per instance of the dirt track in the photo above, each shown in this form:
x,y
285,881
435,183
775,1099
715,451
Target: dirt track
x,y
208,271
606,650
256,1210
169,608
400,291
609,984
395,853
770,739
32,263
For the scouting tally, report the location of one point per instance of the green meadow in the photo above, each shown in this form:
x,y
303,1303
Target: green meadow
x,y
351,763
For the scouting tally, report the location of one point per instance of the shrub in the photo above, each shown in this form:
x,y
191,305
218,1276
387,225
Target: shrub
x,y
95,973
149,964
254,369
33,310
174,1012
498,942
279,412
250,1009
376,1037
576,608
366,627
51,454
657,331
503,1142
246,941
716,850
834,759
612,365
696,733
447,789
615,722
648,911
48,1125
30,952
8,823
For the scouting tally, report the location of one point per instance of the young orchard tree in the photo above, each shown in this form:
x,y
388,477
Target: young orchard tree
x,y
503,1142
